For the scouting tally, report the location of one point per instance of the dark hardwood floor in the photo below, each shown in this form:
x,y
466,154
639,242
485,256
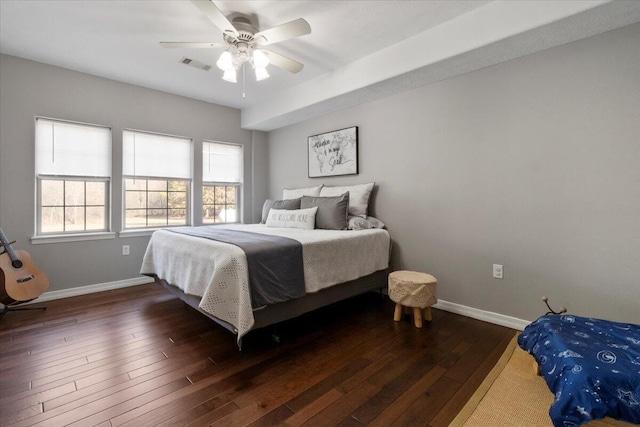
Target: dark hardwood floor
x,y
140,357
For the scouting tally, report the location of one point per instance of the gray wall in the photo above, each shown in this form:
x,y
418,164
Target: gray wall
x,y
533,164
29,89
260,173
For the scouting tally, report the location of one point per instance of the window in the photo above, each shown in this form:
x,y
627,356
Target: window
x,y
73,177
221,182
157,180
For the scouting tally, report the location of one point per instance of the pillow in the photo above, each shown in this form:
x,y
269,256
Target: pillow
x,y
359,223
358,197
295,218
278,204
332,211
299,192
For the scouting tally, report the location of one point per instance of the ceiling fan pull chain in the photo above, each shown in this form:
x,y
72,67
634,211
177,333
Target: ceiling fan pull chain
x,y
243,94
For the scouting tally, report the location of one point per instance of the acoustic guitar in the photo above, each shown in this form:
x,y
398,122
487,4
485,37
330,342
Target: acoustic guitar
x,y
20,279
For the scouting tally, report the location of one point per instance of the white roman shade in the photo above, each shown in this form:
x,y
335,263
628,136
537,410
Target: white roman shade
x,y
221,162
155,156
69,149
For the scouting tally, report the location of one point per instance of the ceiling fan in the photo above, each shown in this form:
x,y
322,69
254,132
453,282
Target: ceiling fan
x,y
244,43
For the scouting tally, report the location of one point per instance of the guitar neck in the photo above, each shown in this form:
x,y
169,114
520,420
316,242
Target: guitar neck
x,y
7,246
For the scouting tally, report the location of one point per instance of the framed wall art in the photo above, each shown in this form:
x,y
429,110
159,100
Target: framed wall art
x,y
333,153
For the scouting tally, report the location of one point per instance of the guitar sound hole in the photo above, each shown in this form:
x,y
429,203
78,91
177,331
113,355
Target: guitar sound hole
x,y
16,264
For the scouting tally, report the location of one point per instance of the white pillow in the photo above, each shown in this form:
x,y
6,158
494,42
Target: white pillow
x,y
358,197
299,192
295,218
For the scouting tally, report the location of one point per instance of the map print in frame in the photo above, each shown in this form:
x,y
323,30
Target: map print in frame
x,y
333,153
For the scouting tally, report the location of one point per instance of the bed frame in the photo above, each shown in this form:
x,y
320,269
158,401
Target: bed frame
x,y
286,310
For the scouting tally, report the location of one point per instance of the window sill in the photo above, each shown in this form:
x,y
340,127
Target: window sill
x,y
63,238
141,232
138,232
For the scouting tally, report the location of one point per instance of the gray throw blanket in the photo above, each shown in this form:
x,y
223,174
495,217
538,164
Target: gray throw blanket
x,y
275,264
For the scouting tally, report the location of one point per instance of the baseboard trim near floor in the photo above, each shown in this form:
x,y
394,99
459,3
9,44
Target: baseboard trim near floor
x,y
474,313
90,289
486,316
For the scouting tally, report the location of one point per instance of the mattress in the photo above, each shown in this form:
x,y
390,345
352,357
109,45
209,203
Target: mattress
x,y
217,272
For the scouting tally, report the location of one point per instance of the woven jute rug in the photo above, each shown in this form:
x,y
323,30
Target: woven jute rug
x,y
513,395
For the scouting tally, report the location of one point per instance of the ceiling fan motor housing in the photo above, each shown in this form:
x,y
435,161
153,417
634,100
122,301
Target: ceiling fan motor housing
x,y
245,31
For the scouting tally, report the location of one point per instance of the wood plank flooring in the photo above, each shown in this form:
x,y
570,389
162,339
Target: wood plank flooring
x,y
140,357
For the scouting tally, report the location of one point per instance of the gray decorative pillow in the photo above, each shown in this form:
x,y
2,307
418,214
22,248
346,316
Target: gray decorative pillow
x,y
359,223
278,204
332,211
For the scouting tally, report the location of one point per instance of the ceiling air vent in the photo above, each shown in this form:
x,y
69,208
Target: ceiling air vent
x,y
195,63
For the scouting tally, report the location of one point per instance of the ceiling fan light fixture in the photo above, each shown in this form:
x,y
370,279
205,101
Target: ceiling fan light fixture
x,y
225,62
230,75
244,43
261,74
260,59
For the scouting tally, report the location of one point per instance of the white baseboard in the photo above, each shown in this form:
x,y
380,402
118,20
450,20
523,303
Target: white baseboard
x,y
474,313
486,316
90,289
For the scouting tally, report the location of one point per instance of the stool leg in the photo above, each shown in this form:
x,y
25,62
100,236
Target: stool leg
x,y
417,317
397,315
427,314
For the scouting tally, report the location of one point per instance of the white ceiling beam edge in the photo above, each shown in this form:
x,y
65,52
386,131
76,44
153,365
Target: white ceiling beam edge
x,y
501,30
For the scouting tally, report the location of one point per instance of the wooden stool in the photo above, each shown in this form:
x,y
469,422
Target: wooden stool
x,y
411,289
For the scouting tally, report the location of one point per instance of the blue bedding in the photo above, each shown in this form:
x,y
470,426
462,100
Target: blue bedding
x,y
591,366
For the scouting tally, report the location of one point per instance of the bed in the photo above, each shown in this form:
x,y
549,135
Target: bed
x,y
212,276
591,366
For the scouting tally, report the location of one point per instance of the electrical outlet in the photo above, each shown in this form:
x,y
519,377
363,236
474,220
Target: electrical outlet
x,y
497,271
125,249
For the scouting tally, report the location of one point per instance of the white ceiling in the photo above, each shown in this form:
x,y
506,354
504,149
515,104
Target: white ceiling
x,y
357,50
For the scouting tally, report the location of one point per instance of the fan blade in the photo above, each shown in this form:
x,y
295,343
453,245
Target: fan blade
x,y
189,45
213,13
283,62
287,31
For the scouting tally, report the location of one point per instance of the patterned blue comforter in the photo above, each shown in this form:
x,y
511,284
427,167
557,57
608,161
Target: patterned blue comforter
x,y
592,366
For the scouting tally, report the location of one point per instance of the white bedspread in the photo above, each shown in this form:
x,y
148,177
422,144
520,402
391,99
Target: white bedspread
x,y
218,272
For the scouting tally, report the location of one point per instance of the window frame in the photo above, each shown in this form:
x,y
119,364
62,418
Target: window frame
x,y
63,178
142,231
188,202
238,204
239,185
72,235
